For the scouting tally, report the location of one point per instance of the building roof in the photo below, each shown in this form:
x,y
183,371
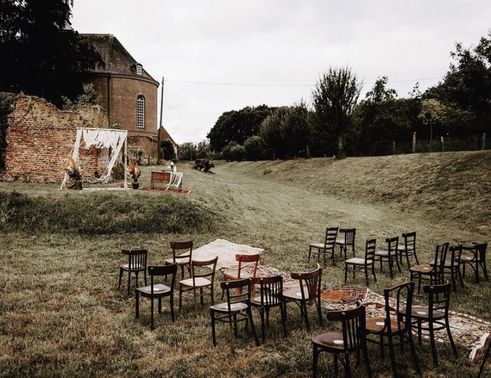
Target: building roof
x,y
116,58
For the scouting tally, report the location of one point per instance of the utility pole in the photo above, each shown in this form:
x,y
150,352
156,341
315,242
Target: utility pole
x,y
161,122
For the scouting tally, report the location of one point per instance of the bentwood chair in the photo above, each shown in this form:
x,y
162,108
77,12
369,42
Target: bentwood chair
x,y
307,293
389,255
357,263
434,316
352,338
433,272
408,248
452,266
182,253
201,283
476,259
347,241
251,261
326,247
236,309
270,296
395,323
157,291
137,262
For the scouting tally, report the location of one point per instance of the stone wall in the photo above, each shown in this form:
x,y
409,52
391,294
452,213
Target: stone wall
x,y
40,136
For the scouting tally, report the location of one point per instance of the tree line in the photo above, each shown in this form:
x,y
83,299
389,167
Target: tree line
x,y
452,115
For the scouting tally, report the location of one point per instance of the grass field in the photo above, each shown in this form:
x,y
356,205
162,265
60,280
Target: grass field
x,y
61,315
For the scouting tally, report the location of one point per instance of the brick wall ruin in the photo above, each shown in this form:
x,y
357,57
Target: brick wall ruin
x,y
39,137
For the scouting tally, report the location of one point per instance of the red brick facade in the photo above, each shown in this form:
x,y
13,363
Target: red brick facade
x,y
40,136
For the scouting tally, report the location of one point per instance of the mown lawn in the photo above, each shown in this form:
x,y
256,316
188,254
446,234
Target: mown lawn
x,y
61,315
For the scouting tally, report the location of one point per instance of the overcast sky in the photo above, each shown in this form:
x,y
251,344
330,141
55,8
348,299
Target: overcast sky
x,y
226,54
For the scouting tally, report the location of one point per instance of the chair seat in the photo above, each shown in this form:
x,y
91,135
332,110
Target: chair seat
x,y
158,289
295,293
401,248
341,241
376,325
421,312
425,268
329,339
267,302
355,261
383,253
467,258
234,307
179,261
317,245
134,268
232,274
200,282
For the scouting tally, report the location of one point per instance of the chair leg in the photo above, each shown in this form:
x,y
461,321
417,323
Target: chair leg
x,y
129,279
397,263
283,319
180,297
347,367
213,336
253,328
364,350
151,313
336,365
391,262
315,357
447,326
345,273
432,343
485,270
413,352
137,304
172,306
230,333
145,276
236,332
373,272
419,333
201,299
195,301
120,277
319,309
392,357
366,274
305,312
160,305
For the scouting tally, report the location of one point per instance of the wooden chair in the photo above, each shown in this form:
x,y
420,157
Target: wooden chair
x,y
230,274
476,259
352,338
452,266
137,262
358,263
308,293
434,316
323,248
237,308
390,255
408,248
397,322
182,253
157,291
433,272
270,296
348,240
202,279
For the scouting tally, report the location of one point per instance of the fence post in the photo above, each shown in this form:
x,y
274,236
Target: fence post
x,y
483,141
414,142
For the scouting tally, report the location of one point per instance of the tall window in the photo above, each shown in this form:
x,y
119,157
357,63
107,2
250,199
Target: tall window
x,y
140,112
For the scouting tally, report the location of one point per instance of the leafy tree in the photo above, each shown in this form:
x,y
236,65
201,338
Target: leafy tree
x,y
167,150
335,98
254,148
40,52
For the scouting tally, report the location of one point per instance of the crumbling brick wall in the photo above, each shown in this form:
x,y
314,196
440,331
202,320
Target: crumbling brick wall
x,y
39,138
143,149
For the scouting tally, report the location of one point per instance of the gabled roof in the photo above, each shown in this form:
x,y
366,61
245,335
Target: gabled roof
x,y
116,58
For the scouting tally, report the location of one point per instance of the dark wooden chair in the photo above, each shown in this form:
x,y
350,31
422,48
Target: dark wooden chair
x,y
157,291
236,309
307,293
389,255
270,296
202,280
236,274
434,316
137,262
182,253
352,338
485,357
348,240
408,248
452,266
357,263
433,272
327,247
476,259
396,323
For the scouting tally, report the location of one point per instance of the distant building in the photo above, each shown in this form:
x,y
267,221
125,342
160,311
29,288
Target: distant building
x,y
128,94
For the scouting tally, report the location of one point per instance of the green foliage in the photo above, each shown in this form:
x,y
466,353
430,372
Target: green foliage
x,y
6,101
254,148
191,151
88,97
35,38
335,98
103,214
167,150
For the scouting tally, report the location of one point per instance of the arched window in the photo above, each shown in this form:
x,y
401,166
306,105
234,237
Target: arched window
x,y
140,112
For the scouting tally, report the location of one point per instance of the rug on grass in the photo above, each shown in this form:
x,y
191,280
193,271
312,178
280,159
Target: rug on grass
x,y
225,251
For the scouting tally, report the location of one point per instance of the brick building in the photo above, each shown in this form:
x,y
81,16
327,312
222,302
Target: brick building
x,y
128,96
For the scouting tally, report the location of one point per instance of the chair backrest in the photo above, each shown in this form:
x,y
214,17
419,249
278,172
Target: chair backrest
x,y
455,255
392,244
270,289
349,236
353,326
247,259
178,247
203,269
164,271
481,249
440,257
438,298
410,242
310,283
137,258
370,247
402,296
237,291
331,236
